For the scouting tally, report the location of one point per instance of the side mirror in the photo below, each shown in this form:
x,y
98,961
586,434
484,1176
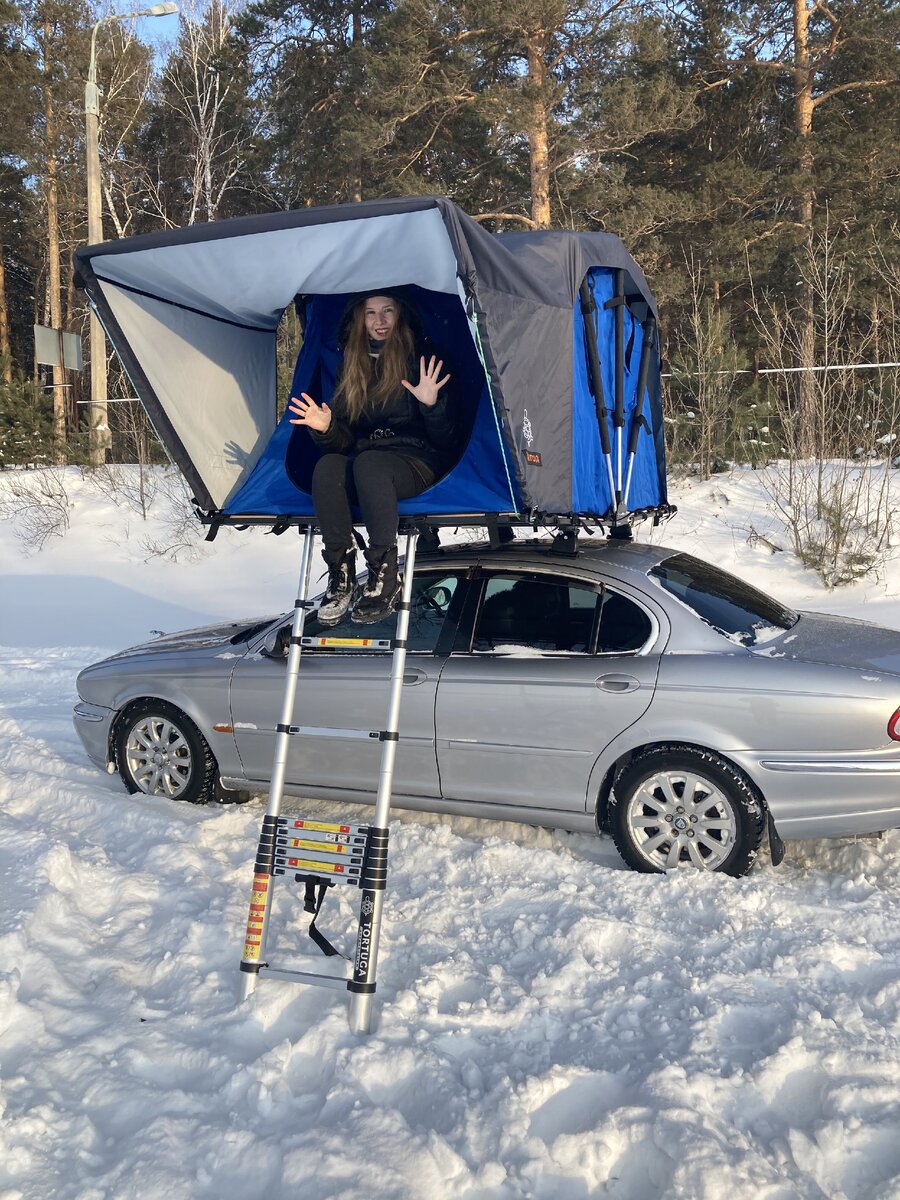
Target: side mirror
x,y
277,642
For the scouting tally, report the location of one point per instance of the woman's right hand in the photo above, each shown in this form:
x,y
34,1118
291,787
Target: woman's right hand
x,y
314,416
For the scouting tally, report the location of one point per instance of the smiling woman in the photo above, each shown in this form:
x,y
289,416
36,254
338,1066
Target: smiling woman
x,y
389,433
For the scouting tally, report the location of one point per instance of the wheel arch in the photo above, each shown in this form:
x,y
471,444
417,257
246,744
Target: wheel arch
x,y
130,706
673,745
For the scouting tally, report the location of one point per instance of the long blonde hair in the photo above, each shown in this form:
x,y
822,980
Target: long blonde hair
x,y
359,367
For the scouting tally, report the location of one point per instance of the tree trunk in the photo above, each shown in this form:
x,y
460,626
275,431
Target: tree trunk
x,y
538,136
54,282
356,188
805,205
5,352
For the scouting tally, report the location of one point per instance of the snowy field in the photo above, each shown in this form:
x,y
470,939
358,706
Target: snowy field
x,y
550,1025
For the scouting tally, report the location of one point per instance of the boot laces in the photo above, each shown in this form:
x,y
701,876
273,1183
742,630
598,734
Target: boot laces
x,y
375,580
337,579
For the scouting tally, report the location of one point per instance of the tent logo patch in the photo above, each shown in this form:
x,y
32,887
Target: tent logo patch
x,y
527,433
532,457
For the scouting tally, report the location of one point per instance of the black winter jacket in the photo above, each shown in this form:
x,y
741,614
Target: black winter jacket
x,y
400,424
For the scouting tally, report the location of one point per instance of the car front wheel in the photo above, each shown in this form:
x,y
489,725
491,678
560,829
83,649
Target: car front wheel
x,y
679,807
161,752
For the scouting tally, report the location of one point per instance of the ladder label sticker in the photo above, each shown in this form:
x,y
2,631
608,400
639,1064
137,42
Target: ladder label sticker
x,y
333,847
301,863
256,917
366,643
317,825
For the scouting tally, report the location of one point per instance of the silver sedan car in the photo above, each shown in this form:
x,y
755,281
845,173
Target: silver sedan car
x,y
625,687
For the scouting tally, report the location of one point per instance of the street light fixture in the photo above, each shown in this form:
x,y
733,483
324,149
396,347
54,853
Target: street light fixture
x,y
99,436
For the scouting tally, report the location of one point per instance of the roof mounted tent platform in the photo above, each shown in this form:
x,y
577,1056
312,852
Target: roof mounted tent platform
x,y
551,337
543,331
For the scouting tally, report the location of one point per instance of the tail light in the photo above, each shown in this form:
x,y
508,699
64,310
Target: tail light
x,y
894,726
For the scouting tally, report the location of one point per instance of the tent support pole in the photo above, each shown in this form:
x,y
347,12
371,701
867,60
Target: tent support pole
x,y
362,986
254,953
619,414
588,308
649,328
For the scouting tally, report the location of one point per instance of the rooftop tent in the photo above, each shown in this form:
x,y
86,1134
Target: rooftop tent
x,y
551,336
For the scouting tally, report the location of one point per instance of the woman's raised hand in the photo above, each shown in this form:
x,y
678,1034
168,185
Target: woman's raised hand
x,y
314,416
426,390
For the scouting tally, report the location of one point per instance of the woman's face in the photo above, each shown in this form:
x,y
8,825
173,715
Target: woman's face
x,y
381,317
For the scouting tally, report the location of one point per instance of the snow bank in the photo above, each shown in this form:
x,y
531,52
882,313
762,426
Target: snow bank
x,y
550,1024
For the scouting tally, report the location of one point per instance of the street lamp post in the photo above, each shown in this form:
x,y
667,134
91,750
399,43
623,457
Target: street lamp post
x,y
98,435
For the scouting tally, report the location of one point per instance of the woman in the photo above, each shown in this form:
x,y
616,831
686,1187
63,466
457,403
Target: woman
x,y
384,439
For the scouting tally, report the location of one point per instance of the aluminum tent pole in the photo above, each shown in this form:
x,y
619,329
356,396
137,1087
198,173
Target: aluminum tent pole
x,y
649,328
254,953
365,960
619,413
588,308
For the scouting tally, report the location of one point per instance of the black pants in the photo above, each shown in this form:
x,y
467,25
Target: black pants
x,y
375,480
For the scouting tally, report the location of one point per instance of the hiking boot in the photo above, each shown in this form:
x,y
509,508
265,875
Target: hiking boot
x,y
382,591
341,590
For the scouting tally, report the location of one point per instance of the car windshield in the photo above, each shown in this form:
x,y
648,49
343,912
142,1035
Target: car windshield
x,y
732,607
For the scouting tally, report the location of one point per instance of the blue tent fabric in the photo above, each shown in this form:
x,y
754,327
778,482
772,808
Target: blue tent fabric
x,y
482,478
194,314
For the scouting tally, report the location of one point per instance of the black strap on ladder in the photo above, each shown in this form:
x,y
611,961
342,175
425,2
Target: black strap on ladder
x,y
312,903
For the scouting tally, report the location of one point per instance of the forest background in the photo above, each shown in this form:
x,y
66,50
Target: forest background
x,y
745,151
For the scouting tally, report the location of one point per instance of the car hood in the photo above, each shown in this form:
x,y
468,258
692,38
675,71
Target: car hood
x,y
838,641
230,633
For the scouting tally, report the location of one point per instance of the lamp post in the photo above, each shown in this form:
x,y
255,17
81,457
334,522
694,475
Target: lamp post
x,y
99,436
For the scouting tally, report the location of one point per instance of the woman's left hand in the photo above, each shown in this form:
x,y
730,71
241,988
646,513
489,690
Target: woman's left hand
x,y
426,390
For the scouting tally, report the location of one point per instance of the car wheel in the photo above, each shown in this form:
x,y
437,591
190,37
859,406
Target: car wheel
x,y
678,807
161,752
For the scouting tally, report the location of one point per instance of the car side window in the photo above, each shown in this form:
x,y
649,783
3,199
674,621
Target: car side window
x,y
432,595
624,626
520,613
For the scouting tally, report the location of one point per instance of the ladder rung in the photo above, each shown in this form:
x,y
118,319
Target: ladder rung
x,y
332,981
366,735
310,828
322,856
338,874
342,847
352,643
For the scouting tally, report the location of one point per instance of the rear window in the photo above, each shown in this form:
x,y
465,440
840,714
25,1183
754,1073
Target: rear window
x,y
729,605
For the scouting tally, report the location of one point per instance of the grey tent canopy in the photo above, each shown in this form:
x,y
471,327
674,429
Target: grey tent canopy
x,y
552,338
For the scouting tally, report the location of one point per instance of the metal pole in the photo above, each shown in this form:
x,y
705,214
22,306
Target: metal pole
x,y
99,440
99,437
649,328
362,985
261,895
619,414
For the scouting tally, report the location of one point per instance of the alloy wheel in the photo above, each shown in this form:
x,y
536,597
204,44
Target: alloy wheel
x,y
681,818
158,756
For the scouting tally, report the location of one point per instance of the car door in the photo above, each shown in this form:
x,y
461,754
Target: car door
x,y
553,671
343,688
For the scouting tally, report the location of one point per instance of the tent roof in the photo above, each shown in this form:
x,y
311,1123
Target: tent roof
x,y
275,256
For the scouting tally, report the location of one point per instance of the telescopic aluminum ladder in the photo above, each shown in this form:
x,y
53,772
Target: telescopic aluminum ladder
x,y
321,851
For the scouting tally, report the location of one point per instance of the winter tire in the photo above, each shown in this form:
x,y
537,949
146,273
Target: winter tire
x,y
161,752
679,807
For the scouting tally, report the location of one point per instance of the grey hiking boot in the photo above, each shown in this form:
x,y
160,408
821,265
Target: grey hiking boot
x,y
341,590
382,590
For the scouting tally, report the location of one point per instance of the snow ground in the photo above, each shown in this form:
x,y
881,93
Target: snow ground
x,y
550,1024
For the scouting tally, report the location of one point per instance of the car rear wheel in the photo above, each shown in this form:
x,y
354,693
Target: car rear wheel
x,y
679,807
161,752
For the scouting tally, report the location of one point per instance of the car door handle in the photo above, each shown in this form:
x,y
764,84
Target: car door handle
x,y
617,683
414,676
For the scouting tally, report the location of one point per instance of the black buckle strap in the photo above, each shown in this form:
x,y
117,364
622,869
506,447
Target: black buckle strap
x,y
312,903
